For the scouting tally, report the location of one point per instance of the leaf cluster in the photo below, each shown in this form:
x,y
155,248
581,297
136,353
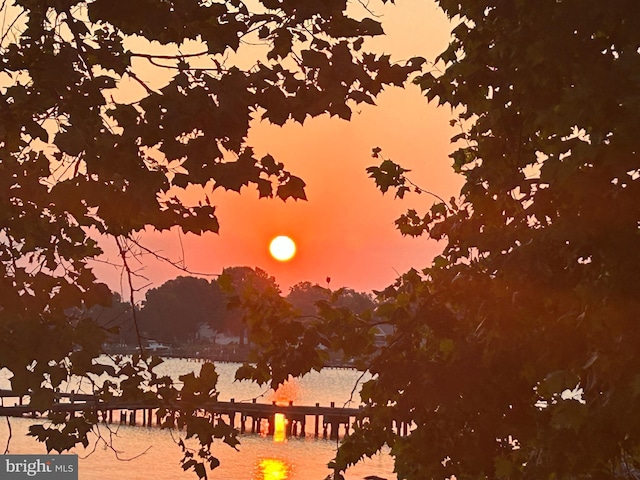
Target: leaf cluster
x,y
109,110
514,354
289,342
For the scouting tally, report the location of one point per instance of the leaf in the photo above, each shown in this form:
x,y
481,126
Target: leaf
x,y
245,372
569,414
361,97
292,188
36,131
200,470
557,382
314,59
265,188
104,81
270,166
388,174
503,467
281,45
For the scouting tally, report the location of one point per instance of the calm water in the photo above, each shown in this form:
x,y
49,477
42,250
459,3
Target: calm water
x,y
144,453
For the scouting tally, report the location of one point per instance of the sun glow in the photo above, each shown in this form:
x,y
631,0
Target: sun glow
x,y
282,248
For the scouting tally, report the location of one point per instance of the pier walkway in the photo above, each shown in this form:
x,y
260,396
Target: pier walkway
x,y
248,417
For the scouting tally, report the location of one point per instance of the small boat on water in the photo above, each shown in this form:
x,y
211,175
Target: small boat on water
x,y
156,348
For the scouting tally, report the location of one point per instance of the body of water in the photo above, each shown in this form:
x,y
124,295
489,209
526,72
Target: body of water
x,y
137,453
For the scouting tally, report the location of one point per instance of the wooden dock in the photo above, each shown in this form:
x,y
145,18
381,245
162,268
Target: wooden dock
x,y
247,417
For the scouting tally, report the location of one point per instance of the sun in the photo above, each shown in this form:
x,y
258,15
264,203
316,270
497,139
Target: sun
x,y
282,248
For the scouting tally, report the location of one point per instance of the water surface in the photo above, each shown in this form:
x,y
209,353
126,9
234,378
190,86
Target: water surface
x,y
141,453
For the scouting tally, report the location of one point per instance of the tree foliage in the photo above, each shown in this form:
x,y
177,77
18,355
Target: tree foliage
x,y
237,282
293,335
304,296
176,309
108,108
287,342
515,354
117,319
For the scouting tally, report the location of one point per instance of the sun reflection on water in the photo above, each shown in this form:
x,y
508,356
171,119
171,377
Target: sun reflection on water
x,y
272,469
279,432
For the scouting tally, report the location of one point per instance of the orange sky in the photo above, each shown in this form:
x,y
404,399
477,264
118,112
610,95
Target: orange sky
x,y
345,230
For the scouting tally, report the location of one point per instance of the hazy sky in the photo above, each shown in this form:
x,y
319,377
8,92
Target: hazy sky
x,y
345,230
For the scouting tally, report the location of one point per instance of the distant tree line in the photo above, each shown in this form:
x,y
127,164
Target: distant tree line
x,y
176,311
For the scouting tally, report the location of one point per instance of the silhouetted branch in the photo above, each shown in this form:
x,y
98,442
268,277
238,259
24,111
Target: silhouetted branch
x,y
15,20
353,390
6,449
179,56
123,253
142,83
366,7
180,265
417,188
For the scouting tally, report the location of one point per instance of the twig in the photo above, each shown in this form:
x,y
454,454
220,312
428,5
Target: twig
x,y
366,7
183,261
6,449
109,445
263,394
15,20
173,263
107,262
417,187
95,445
4,17
192,69
127,269
140,81
179,56
353,390
71,23
130,458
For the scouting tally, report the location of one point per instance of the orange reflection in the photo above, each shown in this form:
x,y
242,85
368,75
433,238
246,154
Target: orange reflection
x,y
287,392
272,469
279,431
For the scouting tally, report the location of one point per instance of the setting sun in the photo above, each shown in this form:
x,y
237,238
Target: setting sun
x,y
282,248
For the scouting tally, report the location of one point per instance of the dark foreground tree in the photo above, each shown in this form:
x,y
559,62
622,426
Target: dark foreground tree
x,y
107,109
517,353
117,318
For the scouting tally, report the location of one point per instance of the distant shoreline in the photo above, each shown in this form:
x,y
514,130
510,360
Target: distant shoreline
x,y
216,353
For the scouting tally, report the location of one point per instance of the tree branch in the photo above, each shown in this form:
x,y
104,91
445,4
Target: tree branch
x,y
123,253
6,449
180,264
137,79
179,56
71,22
417,188
15,20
